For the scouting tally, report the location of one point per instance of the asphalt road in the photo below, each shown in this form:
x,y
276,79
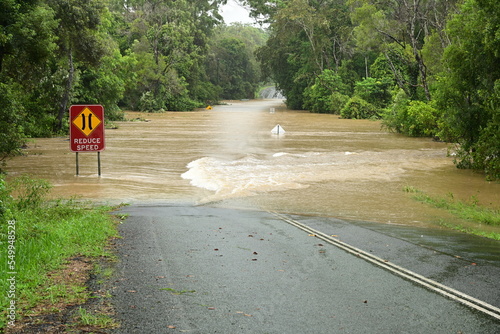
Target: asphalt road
x,y
188,269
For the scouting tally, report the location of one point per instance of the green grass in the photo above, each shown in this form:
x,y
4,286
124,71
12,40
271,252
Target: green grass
x,y
469,211
86,318
47,233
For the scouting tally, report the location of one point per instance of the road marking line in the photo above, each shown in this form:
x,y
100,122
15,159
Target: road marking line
x,y
405,273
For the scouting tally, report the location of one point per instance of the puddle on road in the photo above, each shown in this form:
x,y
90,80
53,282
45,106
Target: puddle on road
x,y
228,156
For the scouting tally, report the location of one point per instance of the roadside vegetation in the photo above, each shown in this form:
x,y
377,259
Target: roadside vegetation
x,y
470,211
48,249
145,55
425,68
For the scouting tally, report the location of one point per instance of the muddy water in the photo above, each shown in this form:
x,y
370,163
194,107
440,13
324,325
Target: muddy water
x,y
321,165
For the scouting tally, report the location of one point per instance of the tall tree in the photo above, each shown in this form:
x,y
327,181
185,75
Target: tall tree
x,y
26,45
77,39
170,40
400,27
307,37
470,88
231,63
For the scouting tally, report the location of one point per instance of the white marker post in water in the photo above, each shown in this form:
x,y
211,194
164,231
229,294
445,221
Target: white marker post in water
x,y
277,130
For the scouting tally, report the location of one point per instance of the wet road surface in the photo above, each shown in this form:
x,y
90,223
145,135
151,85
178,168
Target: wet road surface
x,y
188,269
323,167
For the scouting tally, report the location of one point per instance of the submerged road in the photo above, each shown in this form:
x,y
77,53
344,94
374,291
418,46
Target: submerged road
x,y
189,269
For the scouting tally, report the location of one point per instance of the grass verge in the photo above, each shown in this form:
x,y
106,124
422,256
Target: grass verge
x,y
469,211
48,250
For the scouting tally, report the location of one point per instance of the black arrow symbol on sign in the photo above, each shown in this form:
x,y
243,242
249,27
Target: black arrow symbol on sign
x,y
83,122
90,121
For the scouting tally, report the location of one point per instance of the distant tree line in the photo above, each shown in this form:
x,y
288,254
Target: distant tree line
x,y
147,55
425,67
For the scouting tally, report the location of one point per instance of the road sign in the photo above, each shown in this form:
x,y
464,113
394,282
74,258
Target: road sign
x,y
86,128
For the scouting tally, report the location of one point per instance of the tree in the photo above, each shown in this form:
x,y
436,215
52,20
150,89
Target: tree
x,y
328,94
169,40
306,38
469,88
26,46
398,28
79,22
12,136
231,64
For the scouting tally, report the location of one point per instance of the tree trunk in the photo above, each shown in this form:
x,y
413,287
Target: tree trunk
x,y
413,11
397,75
63,107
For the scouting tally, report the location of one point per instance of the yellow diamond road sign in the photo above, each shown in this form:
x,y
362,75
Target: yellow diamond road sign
x,y
86,121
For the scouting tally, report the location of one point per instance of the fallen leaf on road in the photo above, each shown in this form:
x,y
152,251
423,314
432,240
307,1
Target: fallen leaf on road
x,y
133,291
312,235
211,308
334,235
255,253
171,327
250,236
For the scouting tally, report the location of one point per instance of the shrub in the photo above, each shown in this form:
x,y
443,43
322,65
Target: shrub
x,y
326,95
357,108
149,103
486,152
337,102
12,135
412,118
393,118
421,119
374,91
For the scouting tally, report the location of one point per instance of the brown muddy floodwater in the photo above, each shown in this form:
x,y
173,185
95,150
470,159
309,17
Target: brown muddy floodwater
x,y
321,165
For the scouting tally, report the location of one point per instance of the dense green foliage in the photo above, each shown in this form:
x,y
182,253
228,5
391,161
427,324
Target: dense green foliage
x,y
148,55
426,67
37,236
231,63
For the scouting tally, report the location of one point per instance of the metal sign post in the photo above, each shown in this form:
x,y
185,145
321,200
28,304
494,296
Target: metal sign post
x,y
99,163
86,128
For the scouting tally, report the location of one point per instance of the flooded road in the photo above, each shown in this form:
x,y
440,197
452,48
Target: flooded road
x,y
228,157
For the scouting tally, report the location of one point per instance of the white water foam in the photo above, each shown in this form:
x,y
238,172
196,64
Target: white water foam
x,y
281,171
251,175
239,178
